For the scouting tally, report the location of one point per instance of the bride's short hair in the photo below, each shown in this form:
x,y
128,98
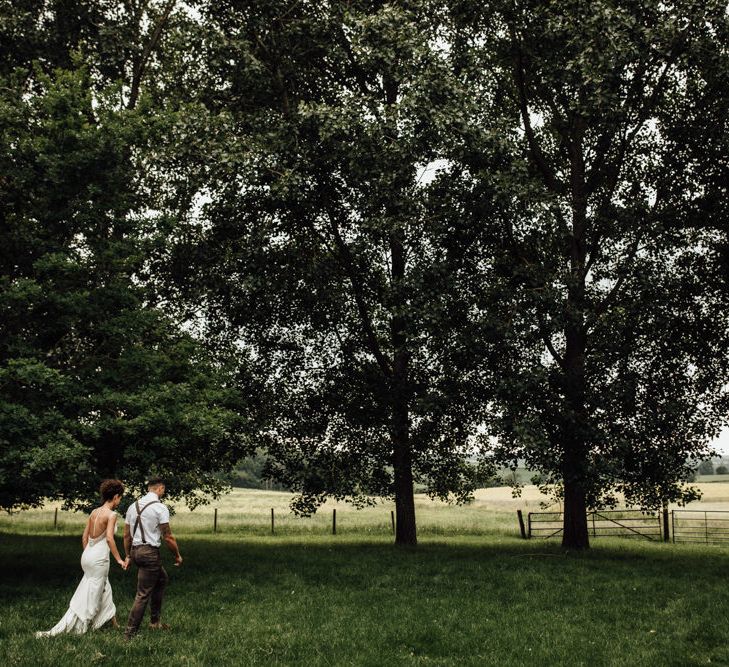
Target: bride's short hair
x,y
110,488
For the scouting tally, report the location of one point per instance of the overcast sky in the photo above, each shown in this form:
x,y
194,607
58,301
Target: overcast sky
x,y
722,442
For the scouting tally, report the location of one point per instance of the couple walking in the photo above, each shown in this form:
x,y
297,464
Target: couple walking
x,y
146,525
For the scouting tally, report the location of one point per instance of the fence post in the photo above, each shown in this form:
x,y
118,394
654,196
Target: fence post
x,y
666,536
529,525
334,521
55,519
522,529
673,525
215,521
272,521
392,516
594,531
706,527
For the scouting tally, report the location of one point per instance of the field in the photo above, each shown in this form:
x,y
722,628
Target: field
x,y
248,512
472,593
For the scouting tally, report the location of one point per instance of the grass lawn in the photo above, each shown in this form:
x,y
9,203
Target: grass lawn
x,y
357,600
472,593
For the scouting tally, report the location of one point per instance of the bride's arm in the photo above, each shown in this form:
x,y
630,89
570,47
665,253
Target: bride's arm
x,y
110,528
85,536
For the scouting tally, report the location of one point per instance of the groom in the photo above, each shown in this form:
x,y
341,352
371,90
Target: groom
x,y
147,523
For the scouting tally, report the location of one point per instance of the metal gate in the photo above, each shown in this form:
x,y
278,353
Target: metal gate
x,y
601,523
706,526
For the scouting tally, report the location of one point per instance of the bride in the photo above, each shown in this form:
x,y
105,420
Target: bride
x,y
91,605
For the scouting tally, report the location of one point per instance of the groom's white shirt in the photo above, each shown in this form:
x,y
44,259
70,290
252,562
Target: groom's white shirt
x,y
151,519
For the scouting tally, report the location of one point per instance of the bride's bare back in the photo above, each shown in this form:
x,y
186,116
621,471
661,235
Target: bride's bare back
x,y
98,522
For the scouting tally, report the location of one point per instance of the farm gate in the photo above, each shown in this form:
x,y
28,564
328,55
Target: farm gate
x,y
601,523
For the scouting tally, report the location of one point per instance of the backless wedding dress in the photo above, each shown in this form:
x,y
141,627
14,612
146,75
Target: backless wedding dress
x,y
91,605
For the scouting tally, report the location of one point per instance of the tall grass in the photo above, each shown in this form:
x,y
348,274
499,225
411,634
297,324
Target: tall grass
x,y
248,512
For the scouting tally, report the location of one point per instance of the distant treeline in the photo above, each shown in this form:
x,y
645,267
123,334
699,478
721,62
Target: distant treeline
x,y
249,474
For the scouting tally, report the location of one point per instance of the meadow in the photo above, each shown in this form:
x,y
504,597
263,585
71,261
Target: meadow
x,y
248,512
471,593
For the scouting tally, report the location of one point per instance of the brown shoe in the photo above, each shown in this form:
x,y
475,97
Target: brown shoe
x,y
159,626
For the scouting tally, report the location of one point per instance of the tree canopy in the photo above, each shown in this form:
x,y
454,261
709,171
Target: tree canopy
x,y
97,378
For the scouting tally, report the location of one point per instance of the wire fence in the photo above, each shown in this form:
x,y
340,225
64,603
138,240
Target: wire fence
x,y
280,521
679,526
271,520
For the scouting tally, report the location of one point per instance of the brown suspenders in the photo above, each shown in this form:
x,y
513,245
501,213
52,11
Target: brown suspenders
x,y
138,522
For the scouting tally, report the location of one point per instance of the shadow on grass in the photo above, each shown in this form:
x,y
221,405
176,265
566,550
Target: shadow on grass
x,y
26,561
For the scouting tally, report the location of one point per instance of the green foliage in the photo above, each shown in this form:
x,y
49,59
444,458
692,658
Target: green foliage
x,y
250,474
96,378
614,370
553,293
343,272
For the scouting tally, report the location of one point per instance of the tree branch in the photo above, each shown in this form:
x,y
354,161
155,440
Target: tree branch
x,y
343,254
544,333
359,75
141,65
602,307
347,261
548,341
548,174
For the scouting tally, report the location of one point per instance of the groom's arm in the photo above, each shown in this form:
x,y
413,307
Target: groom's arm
x,y
171,542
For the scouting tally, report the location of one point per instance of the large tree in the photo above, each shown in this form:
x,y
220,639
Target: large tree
x,y
96,376
327,254
617,364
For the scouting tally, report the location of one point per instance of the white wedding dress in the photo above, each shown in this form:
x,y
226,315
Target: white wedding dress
x,y
91,605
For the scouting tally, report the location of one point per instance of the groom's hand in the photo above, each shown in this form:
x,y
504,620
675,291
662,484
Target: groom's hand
x,y
178,560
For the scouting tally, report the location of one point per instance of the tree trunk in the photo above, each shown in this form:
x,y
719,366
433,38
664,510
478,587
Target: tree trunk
x,y
405,531
575,442
575,427
574,528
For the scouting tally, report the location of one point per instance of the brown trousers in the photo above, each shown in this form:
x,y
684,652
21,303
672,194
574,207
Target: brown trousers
x,y
151,581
